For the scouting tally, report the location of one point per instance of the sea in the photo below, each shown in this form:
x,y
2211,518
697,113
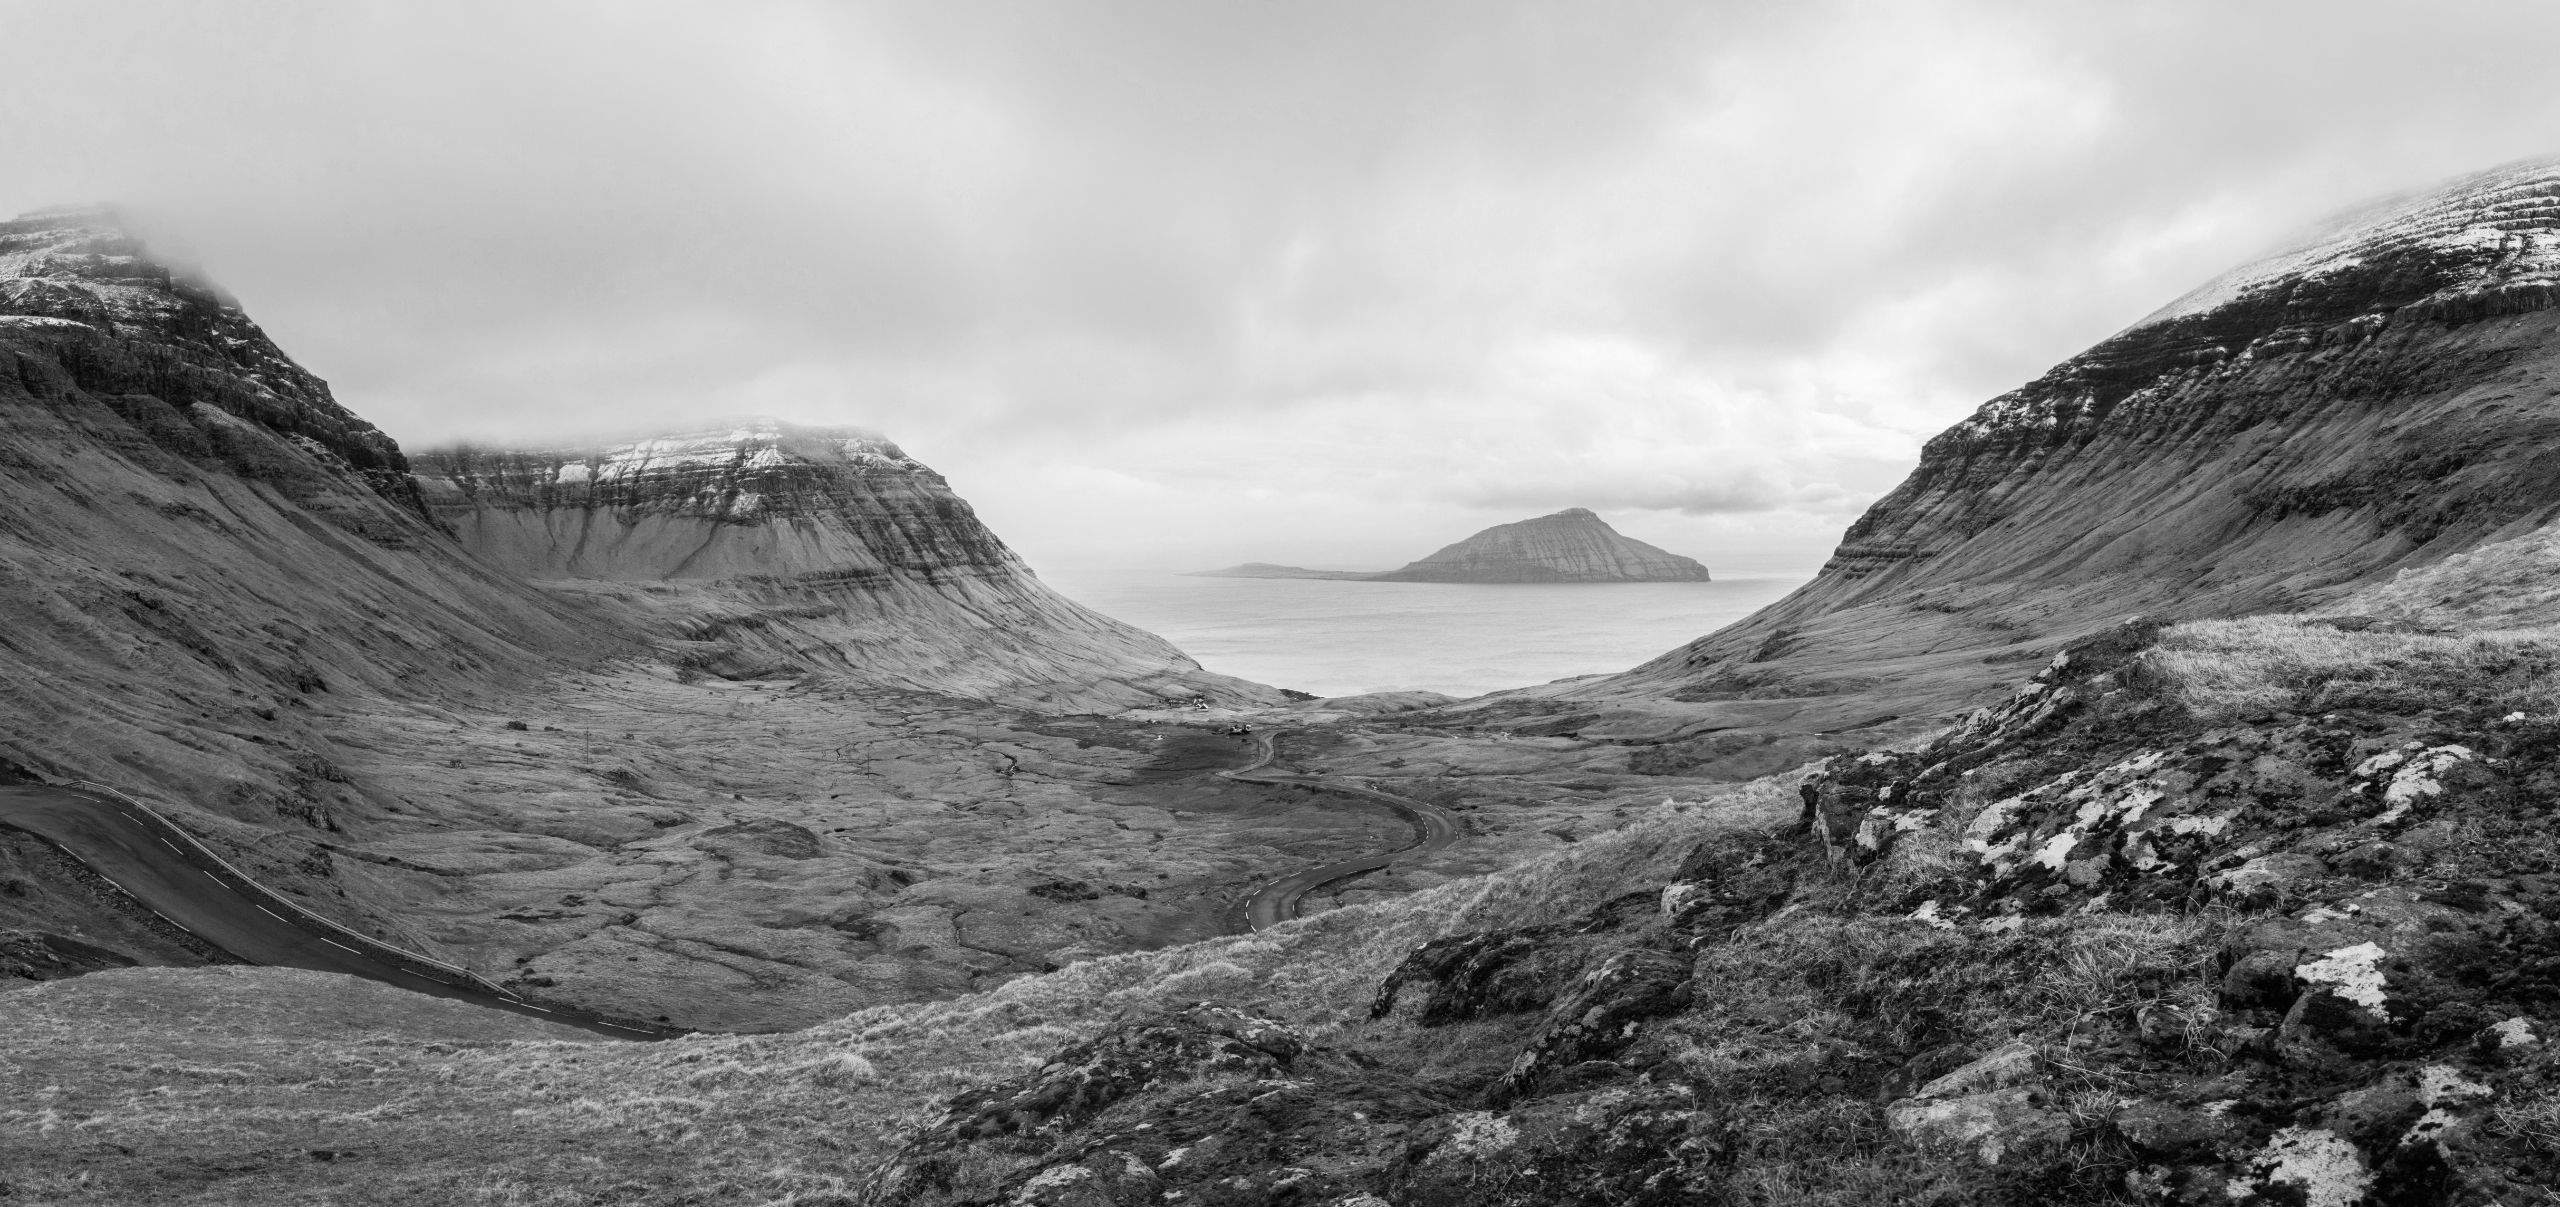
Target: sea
x,y
1335,638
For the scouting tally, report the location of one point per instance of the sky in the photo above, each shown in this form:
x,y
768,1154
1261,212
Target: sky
x,y
1179,284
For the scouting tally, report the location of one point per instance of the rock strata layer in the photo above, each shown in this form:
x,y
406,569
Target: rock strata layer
x,y
756,499
806,549
157,344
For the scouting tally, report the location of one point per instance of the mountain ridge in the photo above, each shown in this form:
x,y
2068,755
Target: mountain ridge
x,y
2379,398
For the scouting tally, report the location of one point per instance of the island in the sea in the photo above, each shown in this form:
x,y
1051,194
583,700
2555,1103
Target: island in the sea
x,y
1571,546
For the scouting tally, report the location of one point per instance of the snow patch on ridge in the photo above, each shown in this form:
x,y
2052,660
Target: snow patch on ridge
x,y
2488,214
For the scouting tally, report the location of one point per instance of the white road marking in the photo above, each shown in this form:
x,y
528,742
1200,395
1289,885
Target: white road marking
x,y
340,946
273,914
171,845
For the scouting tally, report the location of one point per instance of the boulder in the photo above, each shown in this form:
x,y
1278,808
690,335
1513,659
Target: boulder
x,y
2268,881
2261,980
1988,1125
1026,1114
2004,1066
1988,1108
2163,1131
1597,1017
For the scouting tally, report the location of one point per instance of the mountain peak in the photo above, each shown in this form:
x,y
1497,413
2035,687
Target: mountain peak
x,y
74,276
2469,234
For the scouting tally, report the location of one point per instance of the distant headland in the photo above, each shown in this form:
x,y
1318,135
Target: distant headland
x,y
1570,546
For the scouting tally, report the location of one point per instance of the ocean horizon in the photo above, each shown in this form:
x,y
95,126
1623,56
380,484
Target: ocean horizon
x,y
1340,638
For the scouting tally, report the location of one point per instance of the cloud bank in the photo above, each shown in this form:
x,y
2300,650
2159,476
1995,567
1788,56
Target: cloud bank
x,y
1191,283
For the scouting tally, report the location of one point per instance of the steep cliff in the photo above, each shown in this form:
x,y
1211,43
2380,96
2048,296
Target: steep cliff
x,y
1571,546
134,329
805,549
2377,398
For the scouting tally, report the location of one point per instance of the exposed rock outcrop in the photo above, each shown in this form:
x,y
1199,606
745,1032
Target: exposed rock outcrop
x,y
2387,954
2026,963
806,549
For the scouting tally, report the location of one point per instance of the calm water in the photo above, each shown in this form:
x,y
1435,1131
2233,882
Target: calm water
x,y
1342,638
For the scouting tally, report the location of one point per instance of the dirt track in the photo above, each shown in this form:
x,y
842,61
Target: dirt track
x,y
1277,902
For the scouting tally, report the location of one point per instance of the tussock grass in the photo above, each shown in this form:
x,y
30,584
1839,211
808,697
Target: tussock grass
x,y
2479,627
2225,669
2507,584
2534,1120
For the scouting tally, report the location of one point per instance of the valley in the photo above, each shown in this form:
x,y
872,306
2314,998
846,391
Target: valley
x,y
2152,800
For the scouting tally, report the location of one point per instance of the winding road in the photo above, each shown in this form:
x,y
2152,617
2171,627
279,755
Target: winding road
x,y
116,841
1277,902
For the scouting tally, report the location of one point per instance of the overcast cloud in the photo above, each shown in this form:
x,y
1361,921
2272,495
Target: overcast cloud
x,y
1186,283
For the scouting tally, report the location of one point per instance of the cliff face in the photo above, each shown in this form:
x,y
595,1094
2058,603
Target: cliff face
x,y
805,549
761,499
157,344
1571,546
2376,399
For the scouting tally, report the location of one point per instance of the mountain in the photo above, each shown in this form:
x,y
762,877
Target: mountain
x,y
789,752
1570,546
2383,395
806,548
757,498
204,548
